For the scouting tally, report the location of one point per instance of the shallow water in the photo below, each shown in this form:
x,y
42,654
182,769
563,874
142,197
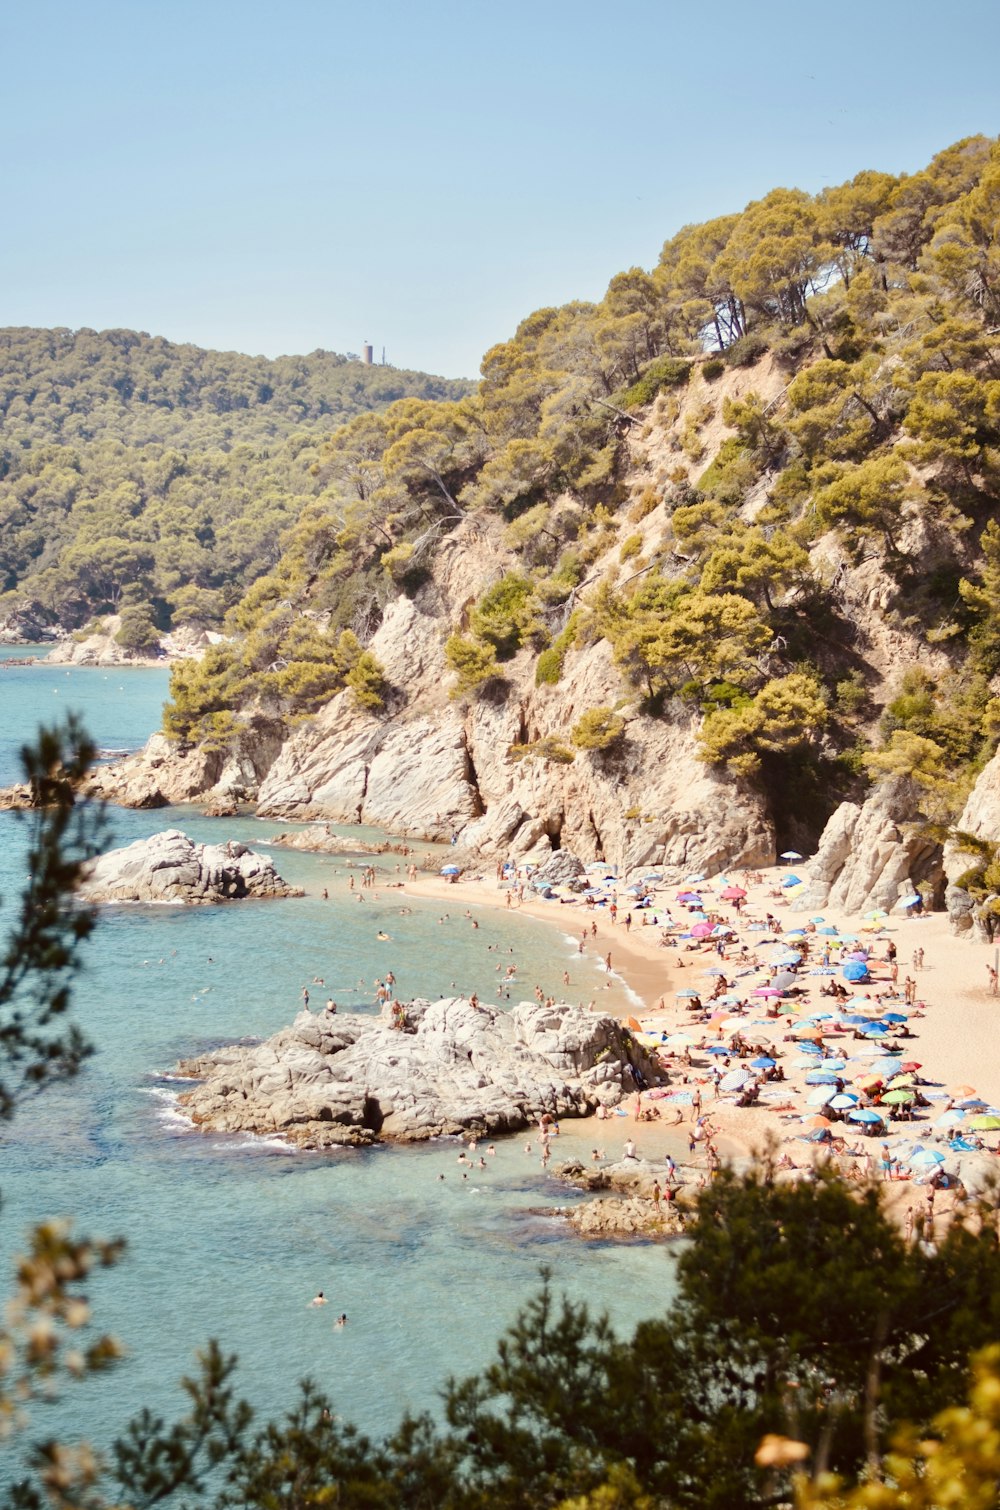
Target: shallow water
x,y
230,1237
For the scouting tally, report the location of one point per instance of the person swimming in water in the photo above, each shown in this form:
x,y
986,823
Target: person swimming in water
x,y
319,1299
341,1319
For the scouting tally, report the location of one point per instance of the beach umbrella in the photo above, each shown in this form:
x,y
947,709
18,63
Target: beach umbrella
x,y
718,1048
984,1122
451,870
963,1091
654,875
868,1082
833,1064
714,971
693,880
791,881
766,991
894,1017
795,933
857,954
783,980
949,1119
792,957
762,1063
876,1030
689,896
809,1048
688,992
680,1041
887,1067
902,1098
735,1080
876,915
843,1101
828,932
821,1077
855,1020
900,1081
926,1156
727,1001
855,970
701,930
912,901
791,854
864,1114
732,893
818,1122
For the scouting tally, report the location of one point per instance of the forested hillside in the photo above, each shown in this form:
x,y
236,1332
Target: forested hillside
x,y
140,474
800,397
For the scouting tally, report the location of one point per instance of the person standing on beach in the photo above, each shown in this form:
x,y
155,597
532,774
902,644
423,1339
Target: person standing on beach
x,y
607,962
994,980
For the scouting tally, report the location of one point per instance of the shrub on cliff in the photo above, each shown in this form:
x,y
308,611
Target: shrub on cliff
x,y
597,729
472,663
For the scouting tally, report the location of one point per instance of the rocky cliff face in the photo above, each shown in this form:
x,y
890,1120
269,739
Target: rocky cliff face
x,y
980,820
453,1067
439,769
872,854
435,768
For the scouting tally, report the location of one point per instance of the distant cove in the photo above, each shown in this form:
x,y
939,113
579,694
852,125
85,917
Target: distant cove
x,y
229,1238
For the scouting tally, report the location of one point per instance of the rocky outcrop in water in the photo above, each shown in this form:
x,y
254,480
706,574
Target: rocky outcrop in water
x,y
872,854
454,1067
628,1208
170,867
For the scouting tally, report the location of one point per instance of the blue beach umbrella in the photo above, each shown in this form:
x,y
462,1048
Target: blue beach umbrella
x,y
894,1017
876,1030
864,1114
451,870
821,1077
927,1156
763,1063
844,1101
887,1067
810,1048
950,1119
718,1048
855,969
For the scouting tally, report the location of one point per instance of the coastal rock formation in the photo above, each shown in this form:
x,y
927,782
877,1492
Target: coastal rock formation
x,y
170,867
158,775
454,1067
872,854
628,1209
441,771
980,820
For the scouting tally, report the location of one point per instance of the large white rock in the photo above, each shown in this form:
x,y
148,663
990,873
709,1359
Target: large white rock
x,y
170,867
355,1079
872,854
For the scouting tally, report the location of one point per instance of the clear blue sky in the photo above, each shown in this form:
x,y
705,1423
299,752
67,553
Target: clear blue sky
x,y
424,173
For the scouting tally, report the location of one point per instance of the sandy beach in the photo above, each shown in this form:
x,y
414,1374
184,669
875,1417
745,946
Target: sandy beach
x,y
952,1030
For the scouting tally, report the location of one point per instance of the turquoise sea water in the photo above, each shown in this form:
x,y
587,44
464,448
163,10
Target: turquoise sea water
x,y
230,1237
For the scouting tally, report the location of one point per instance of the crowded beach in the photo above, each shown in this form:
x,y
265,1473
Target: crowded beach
x,y
865,1042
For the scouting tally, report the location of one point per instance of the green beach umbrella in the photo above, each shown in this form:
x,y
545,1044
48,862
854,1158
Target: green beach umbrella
x,y
986,1123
